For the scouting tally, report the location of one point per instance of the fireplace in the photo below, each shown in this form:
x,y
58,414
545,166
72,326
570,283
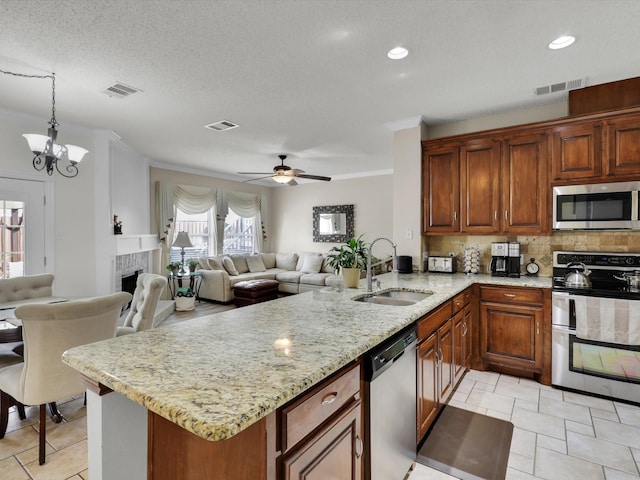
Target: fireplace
x,y
129,282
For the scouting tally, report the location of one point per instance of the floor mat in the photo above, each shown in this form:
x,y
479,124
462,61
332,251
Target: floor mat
x,y
468,445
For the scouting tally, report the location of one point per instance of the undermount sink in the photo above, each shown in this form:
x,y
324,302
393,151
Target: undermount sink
x,y
398,298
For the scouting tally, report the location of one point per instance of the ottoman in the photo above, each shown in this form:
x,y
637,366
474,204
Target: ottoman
x,y
254,291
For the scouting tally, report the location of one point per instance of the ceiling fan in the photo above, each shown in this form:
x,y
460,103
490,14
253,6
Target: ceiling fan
x,y
285,174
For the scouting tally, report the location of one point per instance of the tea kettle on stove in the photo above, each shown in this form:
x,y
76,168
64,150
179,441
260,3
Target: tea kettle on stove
x,y
577,278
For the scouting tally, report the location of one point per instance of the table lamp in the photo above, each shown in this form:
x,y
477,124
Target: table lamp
x,y
182,241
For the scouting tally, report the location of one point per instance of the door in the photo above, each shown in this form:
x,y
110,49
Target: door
x,y
427,387
623,140
445,340
22,227
577,151
440,190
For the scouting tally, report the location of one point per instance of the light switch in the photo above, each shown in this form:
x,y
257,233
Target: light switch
x,y
409,234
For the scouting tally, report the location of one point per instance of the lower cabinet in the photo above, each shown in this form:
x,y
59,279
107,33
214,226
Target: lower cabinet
x,y
321,433
462,346
511,328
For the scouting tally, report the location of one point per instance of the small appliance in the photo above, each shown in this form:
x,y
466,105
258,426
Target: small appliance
x,y
499,258
442,264
513,262
405,264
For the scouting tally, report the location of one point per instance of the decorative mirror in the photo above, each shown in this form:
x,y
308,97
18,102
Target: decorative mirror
x,y
333,223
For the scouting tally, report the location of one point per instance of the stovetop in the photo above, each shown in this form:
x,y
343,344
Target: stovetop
x,y
604,266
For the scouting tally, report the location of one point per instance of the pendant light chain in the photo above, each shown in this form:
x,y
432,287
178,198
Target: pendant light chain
x,y
53,121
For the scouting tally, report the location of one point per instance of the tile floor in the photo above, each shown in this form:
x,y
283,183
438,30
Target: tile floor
x,y
558,435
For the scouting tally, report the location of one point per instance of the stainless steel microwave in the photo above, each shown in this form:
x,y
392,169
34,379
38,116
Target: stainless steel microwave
x,y
601,206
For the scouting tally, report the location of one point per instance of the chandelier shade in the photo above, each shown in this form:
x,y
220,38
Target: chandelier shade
x,y
282,178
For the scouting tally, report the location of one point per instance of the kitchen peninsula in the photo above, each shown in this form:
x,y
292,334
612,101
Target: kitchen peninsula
x,y
216,377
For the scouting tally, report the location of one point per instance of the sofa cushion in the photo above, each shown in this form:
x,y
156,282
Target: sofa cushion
x,y
326,268
315,278
215,263
229,266
255,264
312,264
291,276
240,262
286,261
302,256
269,260
203,263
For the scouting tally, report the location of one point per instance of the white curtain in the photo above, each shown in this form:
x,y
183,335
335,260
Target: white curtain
x,y
247,205
165,216
192,200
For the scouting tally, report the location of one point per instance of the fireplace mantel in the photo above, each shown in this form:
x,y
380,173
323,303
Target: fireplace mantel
x,y
128,244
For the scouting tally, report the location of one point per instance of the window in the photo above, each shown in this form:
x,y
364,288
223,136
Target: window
x,y
199,226
238,234
11,239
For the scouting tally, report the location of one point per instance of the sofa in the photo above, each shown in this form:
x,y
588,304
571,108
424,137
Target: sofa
x,y
295,273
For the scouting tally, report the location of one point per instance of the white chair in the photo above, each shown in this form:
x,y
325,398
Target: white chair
x,y
145,301
48,330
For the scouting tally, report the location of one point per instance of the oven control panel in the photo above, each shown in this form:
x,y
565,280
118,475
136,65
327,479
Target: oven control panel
x,y
615,260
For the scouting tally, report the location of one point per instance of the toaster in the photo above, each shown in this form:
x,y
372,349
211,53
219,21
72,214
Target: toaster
x,y
442,264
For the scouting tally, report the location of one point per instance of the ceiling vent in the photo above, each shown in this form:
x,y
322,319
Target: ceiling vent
x,y
560,87
120,90
222,125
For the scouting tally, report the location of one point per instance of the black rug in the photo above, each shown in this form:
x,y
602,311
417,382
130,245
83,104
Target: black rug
x,y
468,445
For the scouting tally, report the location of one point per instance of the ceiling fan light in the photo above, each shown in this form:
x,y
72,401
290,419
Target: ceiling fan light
x,y
282,178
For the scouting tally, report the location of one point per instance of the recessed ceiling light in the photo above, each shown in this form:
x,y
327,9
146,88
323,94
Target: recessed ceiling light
x,y
397,53
562,42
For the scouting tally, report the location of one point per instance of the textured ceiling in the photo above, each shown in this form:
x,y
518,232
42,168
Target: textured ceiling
x,y
306,78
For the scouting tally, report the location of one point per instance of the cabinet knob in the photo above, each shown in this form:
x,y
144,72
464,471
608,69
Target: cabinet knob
x,y
329,398
510,295
537,328
359,446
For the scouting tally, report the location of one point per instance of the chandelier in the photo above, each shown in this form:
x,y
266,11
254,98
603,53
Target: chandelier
x,y
47,153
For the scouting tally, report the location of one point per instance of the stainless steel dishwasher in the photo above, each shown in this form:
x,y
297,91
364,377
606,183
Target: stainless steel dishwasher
x,y
390,413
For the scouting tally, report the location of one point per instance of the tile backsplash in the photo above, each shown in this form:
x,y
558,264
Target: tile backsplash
x,y
540,248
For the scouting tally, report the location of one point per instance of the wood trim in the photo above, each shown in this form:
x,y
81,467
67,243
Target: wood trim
x,y
604,97
94,386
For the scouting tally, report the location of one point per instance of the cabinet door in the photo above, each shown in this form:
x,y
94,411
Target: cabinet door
x,y
510,335
427,384
334,452
440,190
445,372
577,151
466,336
459,346
480,186
623,139
524,182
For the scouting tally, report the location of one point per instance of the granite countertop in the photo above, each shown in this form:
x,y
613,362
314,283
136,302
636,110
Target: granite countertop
x,y
216,375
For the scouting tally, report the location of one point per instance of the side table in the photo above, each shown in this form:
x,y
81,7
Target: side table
x,y
177,281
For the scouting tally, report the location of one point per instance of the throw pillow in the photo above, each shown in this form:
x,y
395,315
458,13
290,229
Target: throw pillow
x,y
326,268
301,257
229,266
269,260
286,261
240,261
255,264
203,263
215,264
312,264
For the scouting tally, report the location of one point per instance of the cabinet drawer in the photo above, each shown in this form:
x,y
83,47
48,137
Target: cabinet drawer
x,y
434,320
511,295
309,412
461,300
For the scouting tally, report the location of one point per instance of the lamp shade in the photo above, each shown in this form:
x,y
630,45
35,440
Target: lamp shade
x,y
282,178
76,153
182,240
37,143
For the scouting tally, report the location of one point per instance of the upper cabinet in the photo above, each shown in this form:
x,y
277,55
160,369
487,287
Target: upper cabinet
x,y
486,186
499,181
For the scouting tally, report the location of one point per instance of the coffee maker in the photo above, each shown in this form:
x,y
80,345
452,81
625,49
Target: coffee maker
x,y
499,259
513,262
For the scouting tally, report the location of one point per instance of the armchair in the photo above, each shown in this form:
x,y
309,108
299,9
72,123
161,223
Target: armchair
x,y
48,330
143,307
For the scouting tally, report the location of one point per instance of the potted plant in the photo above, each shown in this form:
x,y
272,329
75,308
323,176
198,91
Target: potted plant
x,y
349,259
173,267
193,263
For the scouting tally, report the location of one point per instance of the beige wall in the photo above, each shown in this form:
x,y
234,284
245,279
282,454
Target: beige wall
x,y
292,211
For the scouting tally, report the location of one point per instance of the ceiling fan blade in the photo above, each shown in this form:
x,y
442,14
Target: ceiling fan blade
x,y
292,183
259,178
312,177
297,170
254,173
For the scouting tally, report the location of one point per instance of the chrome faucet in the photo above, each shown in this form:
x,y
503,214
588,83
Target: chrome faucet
x,y
394,264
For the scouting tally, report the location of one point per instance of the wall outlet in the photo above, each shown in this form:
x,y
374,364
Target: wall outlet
x,y
409,234
452,254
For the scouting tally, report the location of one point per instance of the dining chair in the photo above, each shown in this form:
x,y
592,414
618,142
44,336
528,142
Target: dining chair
x,y
149,287
48,330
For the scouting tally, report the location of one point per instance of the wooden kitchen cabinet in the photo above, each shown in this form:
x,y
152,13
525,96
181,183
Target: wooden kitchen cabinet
x,y
321,433
512,324
462,343
576,151
427,385
440,190
623,147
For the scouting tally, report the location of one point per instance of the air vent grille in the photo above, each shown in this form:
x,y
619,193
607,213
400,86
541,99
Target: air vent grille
x,y
120,90
560,87
221,126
